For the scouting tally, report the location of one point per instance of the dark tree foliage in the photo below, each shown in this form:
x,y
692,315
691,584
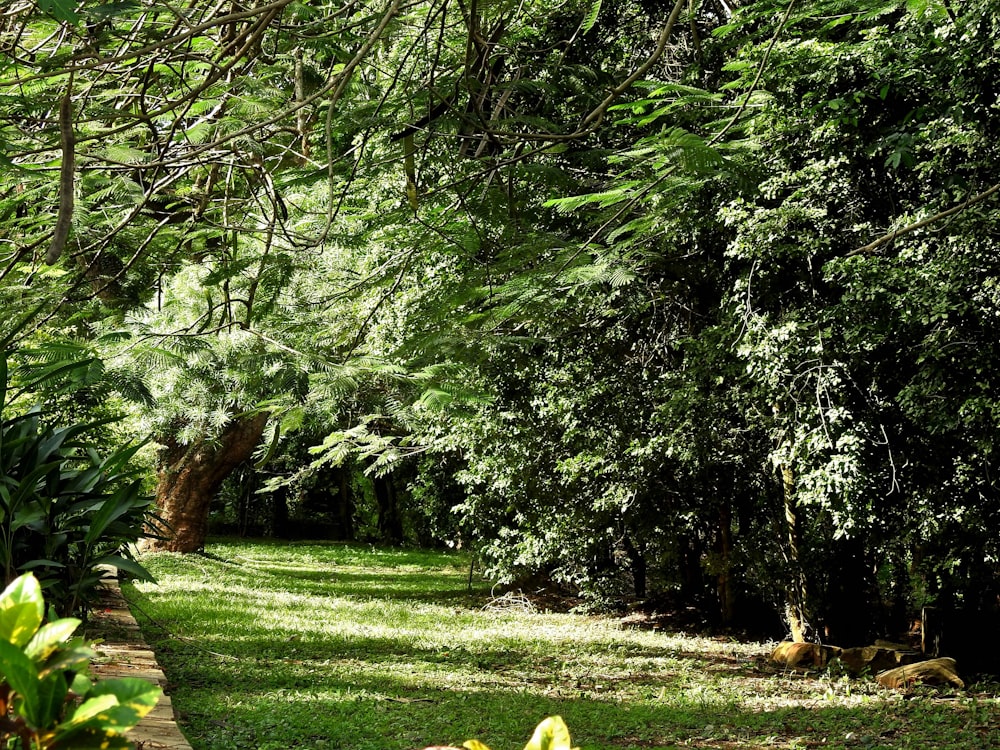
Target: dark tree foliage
x,y
793,407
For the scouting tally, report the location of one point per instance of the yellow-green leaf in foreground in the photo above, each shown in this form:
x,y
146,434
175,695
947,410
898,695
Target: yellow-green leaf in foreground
x,y
551,734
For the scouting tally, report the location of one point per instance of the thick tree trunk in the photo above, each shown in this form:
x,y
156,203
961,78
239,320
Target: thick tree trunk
x,y
189,476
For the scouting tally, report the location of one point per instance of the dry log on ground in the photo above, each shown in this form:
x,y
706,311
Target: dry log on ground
x,y
795,654
931,672
876,659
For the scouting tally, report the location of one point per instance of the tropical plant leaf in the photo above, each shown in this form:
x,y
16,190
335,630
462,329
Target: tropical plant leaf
x,y
591,18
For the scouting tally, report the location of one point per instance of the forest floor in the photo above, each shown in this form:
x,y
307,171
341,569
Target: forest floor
x,y
272,646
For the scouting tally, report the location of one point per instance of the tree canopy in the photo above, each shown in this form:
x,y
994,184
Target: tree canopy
x,y
689,301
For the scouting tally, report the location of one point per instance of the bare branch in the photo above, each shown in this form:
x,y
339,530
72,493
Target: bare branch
x,y
888,238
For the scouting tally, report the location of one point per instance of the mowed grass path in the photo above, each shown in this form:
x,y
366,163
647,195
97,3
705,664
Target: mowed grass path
x,y
275,646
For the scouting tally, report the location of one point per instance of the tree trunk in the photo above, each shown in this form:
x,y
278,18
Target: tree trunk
x,y
690,550
342,505
637,564
796,599
726,586
279,512
188,477
390,525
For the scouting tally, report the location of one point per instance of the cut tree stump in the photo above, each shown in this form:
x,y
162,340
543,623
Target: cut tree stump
x,y
931,672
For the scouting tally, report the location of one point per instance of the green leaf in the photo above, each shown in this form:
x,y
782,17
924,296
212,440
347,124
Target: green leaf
x,y
551,734
72,658
113,706
50,636
124,563
90,710
591,18
50,702
133,692
22,676
111,509
61,10
81,684
22,610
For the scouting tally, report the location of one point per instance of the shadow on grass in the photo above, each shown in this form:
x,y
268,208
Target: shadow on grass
x,y
366,712
330,553
429,587
245,633
246,638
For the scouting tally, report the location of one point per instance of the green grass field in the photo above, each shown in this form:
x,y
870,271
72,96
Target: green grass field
x,y
274,646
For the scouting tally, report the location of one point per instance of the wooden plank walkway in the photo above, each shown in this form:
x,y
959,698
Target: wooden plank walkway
x,y
124,653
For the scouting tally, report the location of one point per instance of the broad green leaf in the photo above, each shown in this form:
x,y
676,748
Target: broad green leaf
x,y
90,709
22,609
61,10
73,657
22,676
50,636
81,684
130,691
115,705
51,700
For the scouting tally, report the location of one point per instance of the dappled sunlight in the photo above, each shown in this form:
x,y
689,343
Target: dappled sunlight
x,y
283,648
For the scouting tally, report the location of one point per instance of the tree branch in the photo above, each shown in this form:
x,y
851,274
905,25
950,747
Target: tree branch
x,y
888,238
67,176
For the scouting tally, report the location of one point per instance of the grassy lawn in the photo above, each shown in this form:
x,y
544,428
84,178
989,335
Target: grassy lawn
x,y
270,646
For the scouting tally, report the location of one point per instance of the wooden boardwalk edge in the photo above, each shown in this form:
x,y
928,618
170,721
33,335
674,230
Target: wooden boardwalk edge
x,y
122,652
